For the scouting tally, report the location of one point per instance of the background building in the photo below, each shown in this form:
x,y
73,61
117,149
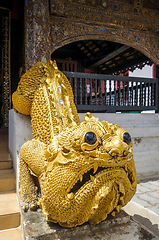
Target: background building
x,y
100,37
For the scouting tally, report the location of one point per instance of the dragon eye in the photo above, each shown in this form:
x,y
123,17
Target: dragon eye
x,y
90,138
127,138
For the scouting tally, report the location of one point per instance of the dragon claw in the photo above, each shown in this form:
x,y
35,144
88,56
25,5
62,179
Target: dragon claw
x,y
25,207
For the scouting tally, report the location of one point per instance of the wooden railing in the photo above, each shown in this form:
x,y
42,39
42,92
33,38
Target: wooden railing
x,y
108,93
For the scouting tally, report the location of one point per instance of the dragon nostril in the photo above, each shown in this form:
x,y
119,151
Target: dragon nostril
x,y
90,138
127,138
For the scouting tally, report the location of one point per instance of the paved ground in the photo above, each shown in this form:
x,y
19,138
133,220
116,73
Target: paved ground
x,y
147,194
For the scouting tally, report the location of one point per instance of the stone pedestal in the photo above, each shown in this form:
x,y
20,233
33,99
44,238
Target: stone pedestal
x,y
120,227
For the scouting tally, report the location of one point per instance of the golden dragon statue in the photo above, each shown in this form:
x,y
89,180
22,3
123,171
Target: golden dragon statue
x,y
76,172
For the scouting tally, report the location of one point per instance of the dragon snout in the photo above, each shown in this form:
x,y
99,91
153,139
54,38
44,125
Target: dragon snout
x,y
118,146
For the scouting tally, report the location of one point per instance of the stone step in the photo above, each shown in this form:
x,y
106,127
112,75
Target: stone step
x,y
5,159
13,234
6,164
3,140
9,211
7,180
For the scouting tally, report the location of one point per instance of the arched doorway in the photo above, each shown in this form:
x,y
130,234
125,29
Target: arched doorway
x,y
95,87
98,56
63,33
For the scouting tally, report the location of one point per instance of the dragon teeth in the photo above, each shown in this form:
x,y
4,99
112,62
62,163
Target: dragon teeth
x,y
81,177
92,178
95,207
95,167
70,196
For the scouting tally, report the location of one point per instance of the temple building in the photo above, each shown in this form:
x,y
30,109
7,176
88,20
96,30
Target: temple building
x,y
91,37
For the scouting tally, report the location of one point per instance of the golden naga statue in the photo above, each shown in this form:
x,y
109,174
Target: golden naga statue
x,y
76,172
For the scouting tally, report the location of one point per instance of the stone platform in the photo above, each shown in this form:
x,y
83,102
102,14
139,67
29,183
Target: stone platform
x,y
120,227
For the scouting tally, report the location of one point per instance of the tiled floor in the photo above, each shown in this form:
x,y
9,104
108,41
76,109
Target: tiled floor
x,y
147,195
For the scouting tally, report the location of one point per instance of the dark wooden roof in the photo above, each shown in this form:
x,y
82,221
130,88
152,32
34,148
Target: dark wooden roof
x,y
104,56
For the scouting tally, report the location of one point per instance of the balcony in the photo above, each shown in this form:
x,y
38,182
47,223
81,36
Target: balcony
x,y
108,93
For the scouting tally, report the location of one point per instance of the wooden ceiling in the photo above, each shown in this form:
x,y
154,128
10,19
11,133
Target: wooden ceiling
x,y
104,56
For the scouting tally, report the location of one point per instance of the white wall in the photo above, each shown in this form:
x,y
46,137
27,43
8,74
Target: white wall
x,y
146,72
19,132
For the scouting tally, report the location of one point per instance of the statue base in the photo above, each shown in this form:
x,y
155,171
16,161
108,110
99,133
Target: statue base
x,y
35,227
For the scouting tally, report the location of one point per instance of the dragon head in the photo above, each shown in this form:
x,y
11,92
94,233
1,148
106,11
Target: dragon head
x,y
90,173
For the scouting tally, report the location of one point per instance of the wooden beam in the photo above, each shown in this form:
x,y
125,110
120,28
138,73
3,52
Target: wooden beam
x,y
110,56
126,65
